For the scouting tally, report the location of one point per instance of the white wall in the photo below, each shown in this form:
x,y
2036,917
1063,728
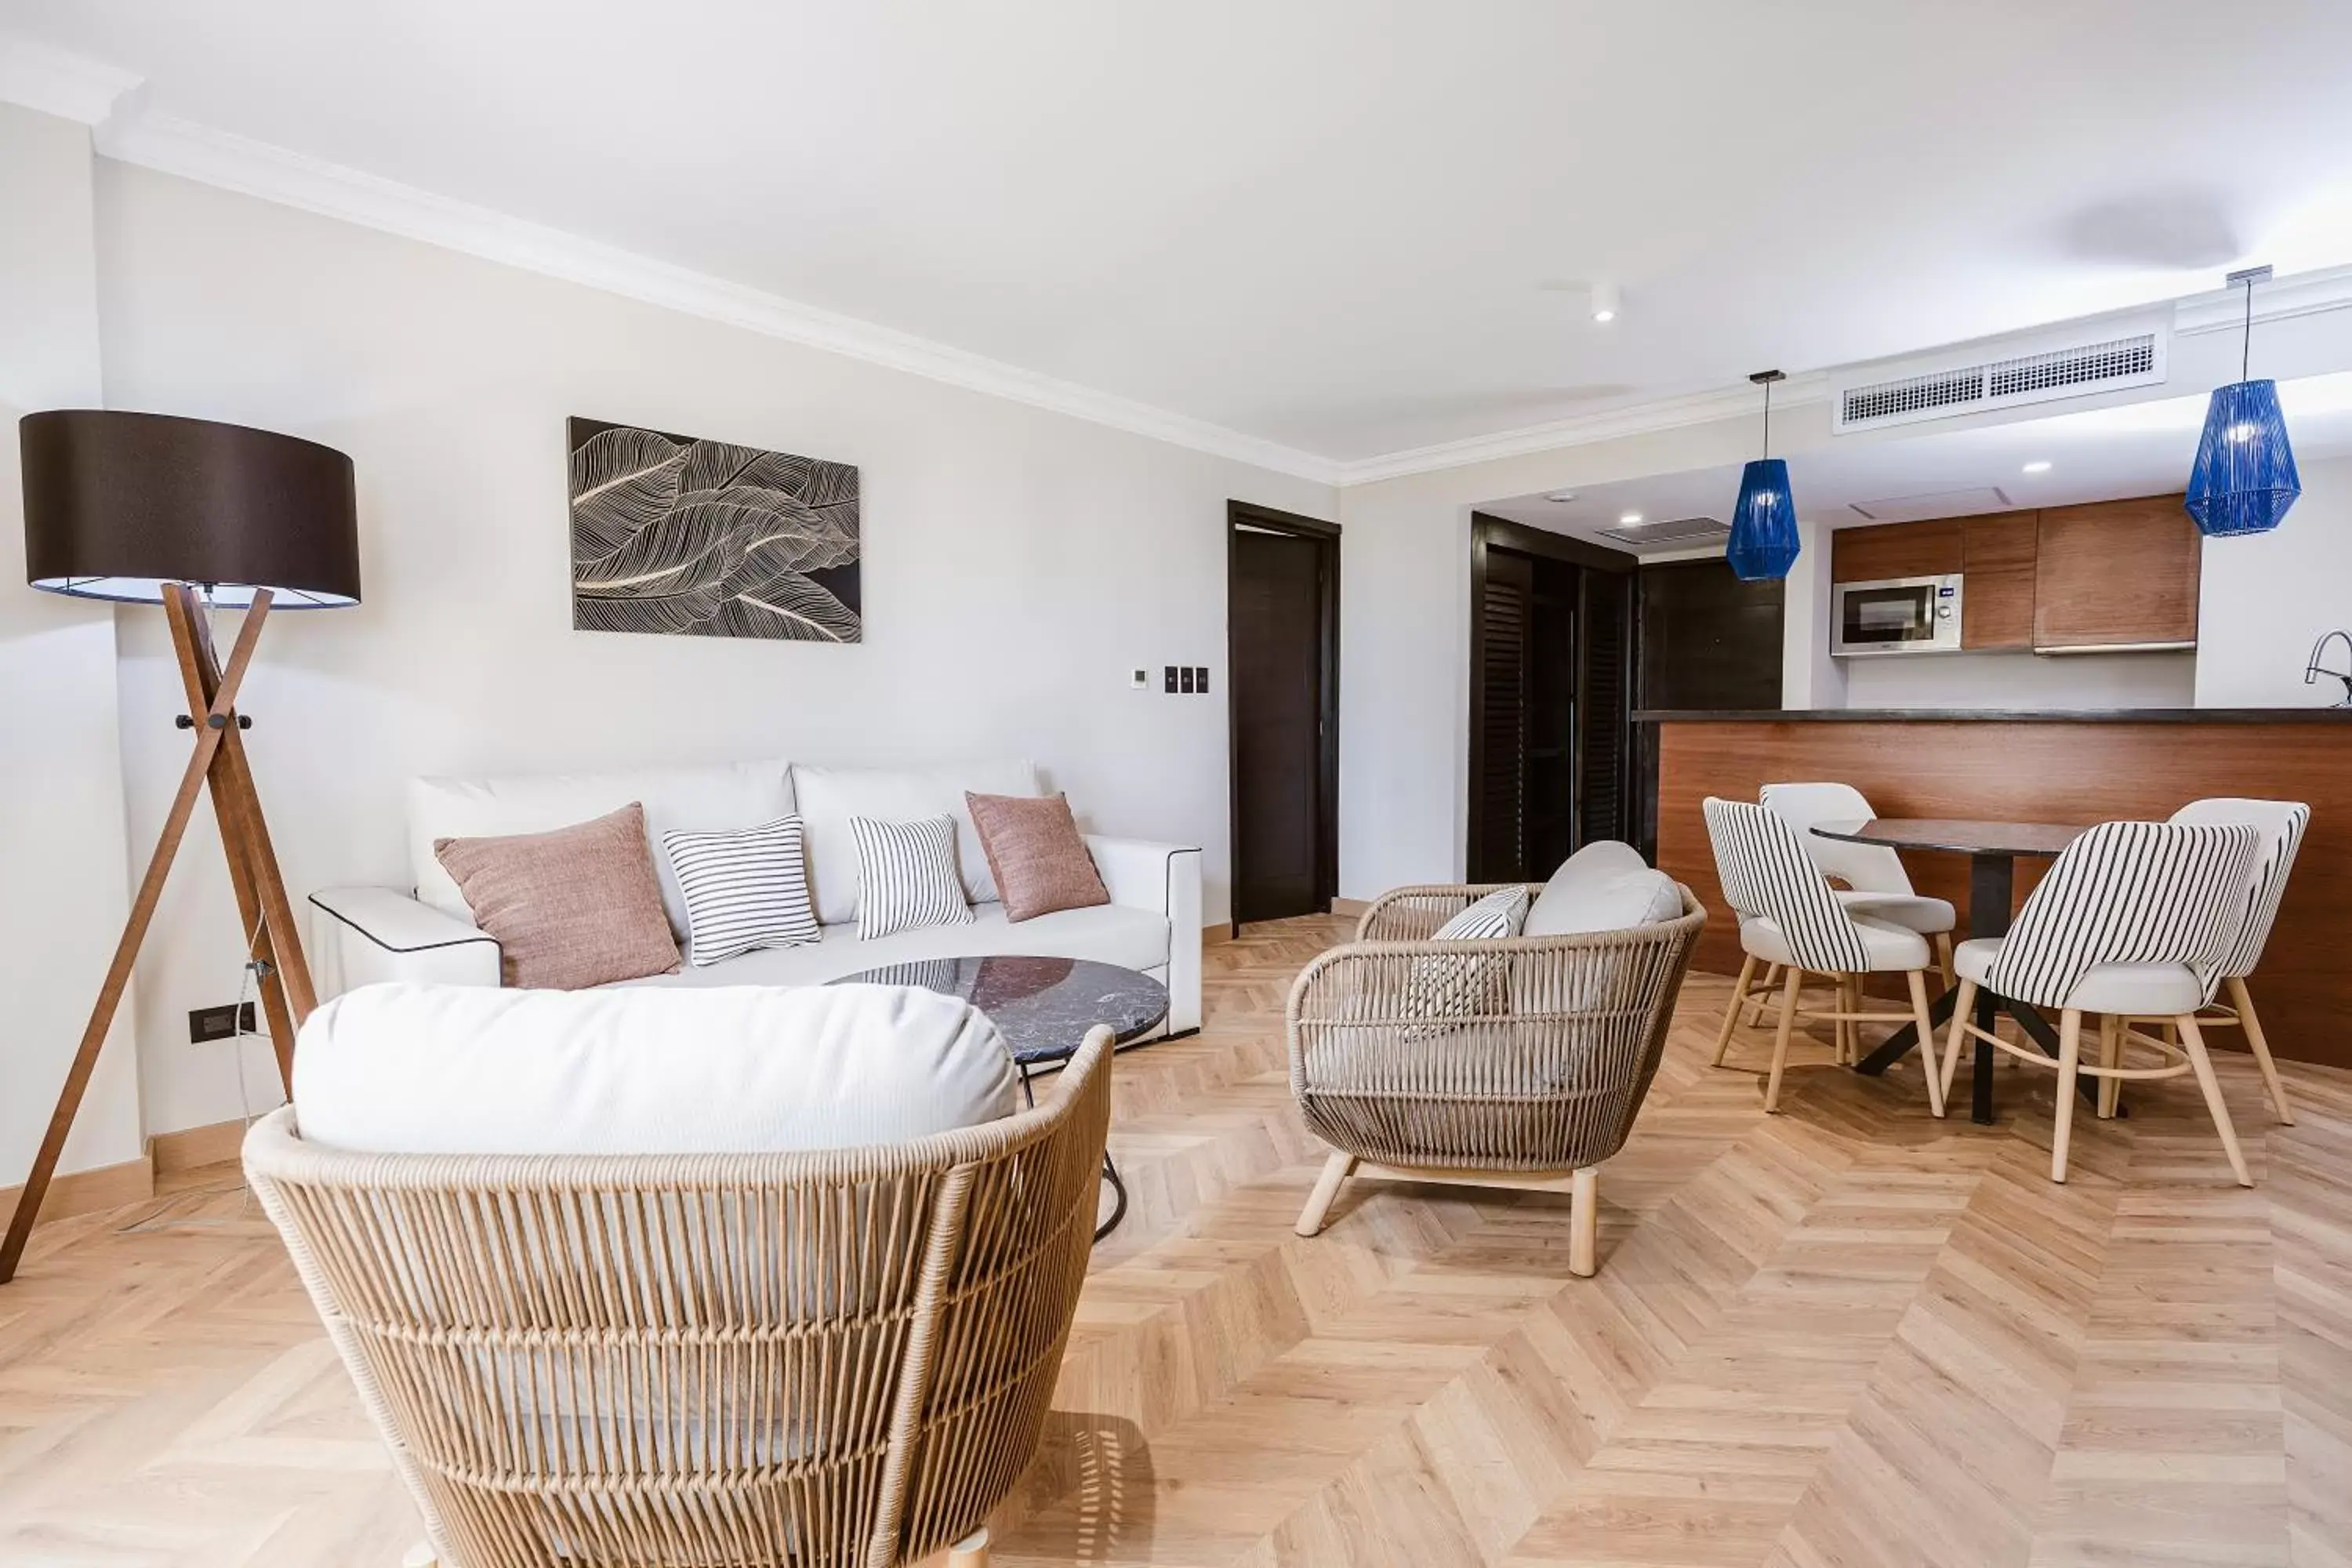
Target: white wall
x,y
2267,598
1018,563
2022,681
61,825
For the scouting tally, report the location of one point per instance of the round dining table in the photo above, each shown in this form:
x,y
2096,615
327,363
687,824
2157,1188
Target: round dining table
x,y
1993,849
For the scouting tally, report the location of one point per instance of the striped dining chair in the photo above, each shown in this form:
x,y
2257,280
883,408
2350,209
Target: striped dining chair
x,y
1789,916
2282,823
1876,887
2135,921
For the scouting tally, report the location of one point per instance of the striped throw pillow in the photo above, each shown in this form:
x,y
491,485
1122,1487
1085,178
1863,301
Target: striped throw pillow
x,y
744,889
906,875
1442,992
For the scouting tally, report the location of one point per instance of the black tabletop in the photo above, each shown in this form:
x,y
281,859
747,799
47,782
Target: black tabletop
x,y
1962,837
1043,1006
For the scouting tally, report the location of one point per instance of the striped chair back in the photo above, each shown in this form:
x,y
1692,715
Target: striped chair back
x,y
2130,892
1865,867
2281,824
1765,871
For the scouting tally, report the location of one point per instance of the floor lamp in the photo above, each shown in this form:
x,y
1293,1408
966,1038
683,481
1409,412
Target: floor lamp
x,y
146,509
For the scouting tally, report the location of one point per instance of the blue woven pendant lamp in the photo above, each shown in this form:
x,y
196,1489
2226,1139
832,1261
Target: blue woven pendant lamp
x,y
2244,480
1763,544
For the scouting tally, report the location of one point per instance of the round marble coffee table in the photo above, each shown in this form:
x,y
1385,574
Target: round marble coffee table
x,y
1043,1008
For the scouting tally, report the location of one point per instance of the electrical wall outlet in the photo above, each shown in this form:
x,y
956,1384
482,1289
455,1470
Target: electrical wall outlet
x,y
1142,680
219,1023
1200,678
1168,673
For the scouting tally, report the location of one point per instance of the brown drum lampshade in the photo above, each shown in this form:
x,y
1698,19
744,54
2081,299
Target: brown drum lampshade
x,y
116,505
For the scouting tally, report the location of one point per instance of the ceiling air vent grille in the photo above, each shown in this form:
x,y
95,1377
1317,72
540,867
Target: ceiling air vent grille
x,y
2134,359
1681,531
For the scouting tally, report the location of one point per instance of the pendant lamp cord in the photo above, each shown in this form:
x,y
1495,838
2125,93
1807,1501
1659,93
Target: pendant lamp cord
x,y
1768,417
2246,344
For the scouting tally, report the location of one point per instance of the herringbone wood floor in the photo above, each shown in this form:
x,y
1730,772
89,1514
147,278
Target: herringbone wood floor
x,y
1844,1335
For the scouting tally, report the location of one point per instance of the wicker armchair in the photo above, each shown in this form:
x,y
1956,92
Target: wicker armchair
x,y
842,1357
1534,1092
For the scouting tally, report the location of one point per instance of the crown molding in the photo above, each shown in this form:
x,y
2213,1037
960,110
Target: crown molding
x,y
200,152
59,82
1600,424
2284,298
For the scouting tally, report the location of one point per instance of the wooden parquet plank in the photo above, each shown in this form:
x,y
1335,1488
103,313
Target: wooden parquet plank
x,y
1846,1336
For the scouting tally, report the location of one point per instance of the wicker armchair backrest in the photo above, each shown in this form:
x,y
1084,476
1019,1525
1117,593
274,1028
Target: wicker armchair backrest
x,y
838,1358
1550,1081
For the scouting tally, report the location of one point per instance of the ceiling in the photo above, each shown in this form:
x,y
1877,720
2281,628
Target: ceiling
x,y
2101,454
1352,228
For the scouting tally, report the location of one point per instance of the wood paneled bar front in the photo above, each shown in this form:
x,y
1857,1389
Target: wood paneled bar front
x,y
2059,767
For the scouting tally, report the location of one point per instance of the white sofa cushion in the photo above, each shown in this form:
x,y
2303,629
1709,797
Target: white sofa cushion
x,y
829,797
1108,934
698,799
455,1069
1616,901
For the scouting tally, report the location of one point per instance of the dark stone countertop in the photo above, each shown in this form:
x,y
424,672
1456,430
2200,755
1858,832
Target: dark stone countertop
x,y
1994,715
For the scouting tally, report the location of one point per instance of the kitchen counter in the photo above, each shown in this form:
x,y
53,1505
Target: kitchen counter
x,y
2073,768
1994,715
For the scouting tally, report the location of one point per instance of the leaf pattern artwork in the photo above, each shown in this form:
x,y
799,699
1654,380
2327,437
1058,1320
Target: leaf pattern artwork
x,y
707,539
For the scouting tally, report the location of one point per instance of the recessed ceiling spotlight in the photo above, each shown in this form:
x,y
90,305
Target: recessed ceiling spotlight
x,y
1604,302
1559,497
1628,519
2039,466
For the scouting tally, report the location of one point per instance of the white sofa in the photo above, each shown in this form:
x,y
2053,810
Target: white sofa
x,y
424,933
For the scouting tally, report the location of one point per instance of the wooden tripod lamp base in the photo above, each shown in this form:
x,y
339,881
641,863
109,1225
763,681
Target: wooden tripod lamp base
x,y
146,507
220,760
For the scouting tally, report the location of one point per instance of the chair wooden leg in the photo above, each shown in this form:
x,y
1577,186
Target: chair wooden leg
x,y
2192,1041
972,1552
1850,1001
2070,1062
1335,1175
1963,1008
1944,956
1731,1012
2111,1055
1925,1023
1762,994
1796,977
1584,1222
2243,1001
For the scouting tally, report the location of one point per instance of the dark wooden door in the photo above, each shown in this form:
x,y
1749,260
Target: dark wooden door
x,y
1279,614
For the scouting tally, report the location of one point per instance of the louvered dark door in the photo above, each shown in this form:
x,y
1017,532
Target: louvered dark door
x,y
1604,715
1502,660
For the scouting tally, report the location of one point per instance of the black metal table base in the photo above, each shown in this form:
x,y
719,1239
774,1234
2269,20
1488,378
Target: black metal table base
x,y
1991,886
1109,1171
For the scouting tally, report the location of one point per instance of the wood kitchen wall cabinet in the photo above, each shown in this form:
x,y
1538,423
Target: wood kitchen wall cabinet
x,y
1896,550
2112,573
2118,574
1997,573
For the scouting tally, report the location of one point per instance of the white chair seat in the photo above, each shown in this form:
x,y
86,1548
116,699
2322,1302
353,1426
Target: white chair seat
x,y
2137,990
1912,912
1890,947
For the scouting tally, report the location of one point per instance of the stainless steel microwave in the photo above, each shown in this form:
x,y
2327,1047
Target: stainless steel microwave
x,y
1906,614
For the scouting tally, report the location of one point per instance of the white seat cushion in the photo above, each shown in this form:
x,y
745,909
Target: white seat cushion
x,y
1108,934
461,1070
1890,947
1603,887
2153,990
1912,912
